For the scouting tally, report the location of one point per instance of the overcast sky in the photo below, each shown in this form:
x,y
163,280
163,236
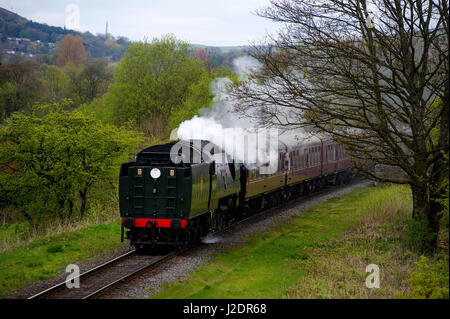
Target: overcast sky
x,y
209,22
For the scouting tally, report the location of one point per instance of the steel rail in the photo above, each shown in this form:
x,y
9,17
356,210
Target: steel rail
x,y
131,274
90,271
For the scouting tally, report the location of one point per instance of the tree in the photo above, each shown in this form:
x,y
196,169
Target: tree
x,y
197,98
203,55
373,75
71,49
19,88
96,78
89,80
52,158
57,83
151,81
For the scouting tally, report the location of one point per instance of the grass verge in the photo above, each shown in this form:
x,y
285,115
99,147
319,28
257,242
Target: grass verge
x,y
323,253
28,254
47,257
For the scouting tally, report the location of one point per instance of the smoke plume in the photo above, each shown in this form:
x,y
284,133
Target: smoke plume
x,y
221,125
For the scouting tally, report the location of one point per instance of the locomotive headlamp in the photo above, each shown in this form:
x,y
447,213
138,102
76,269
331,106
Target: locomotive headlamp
x,y
172,172
155,173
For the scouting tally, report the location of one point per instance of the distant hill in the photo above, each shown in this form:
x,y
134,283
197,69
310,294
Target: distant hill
x,y
223,49
14,26
19,35
223,56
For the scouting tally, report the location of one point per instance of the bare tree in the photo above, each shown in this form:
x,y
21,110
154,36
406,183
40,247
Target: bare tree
x,y
373,74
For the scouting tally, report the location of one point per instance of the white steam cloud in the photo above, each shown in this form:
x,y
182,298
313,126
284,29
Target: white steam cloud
x,y
222,126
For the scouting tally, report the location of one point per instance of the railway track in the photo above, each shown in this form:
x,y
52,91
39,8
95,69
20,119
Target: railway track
x,y
250,219
119,270
104,276
112,273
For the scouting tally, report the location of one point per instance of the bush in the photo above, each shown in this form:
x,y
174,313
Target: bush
x,y
429,281
53,158
419,234
443,237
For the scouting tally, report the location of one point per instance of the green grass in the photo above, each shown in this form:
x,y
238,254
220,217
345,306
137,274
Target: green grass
x,y
320,254
28,254
313,255
47,257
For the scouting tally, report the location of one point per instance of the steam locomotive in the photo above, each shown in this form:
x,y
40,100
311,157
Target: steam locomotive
x,y
171,201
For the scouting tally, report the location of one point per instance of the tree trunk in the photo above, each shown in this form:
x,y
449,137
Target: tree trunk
x,y
83,196
426,208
